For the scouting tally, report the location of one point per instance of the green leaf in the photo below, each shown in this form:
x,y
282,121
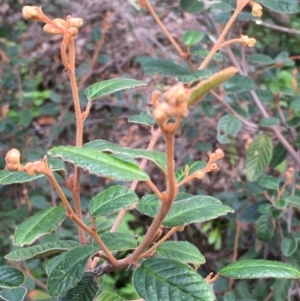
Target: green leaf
x,y
260,59
13,177
264,228
258,268
279,154
203,54
110,86
281,289
117,241
85,290
258,156
99,163
182,251
40,251
102,223
104,146
164,279
269,121
293,200
192,37
228,126
13,294
107,296
269,182
288,245
294,122
169,69
144,118
239,83
41,223
282,6
10,277
193,167
112,200
192,6
54,262
185,210
25,117
69,270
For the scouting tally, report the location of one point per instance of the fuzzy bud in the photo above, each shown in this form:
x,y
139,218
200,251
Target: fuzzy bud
x,y
48,28
219,153
214,167
160,113
213,157
12,160
75,22
60,22
256,10
199,174
32,13
73,31
248,42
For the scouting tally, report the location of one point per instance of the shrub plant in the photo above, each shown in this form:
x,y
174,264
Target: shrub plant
x,y
166,270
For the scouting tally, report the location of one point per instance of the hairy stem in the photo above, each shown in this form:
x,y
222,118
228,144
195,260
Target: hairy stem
x,y
79,136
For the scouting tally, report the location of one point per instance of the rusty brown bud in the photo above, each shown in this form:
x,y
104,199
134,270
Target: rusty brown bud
x,y
12,160
75,22
32,13
219,153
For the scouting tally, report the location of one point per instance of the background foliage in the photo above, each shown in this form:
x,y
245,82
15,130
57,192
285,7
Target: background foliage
x,y
254,178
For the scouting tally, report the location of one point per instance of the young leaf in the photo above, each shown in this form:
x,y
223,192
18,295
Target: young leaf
x,y
182,251
185,210
288,246
264,228
269,121
228,126
169,69
192,6
157,158
13,294
107,296
170,280
85,290
279,154
258,268
69,270
43,222
192,37
99,163
117,241
10,277
39,251
198,92
282,6
110,86
112,200
239,83
269,182
258,156
144,118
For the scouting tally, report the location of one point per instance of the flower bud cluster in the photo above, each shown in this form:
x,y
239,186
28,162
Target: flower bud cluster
x,y
256,9
174,105
289,175
55,26
248,42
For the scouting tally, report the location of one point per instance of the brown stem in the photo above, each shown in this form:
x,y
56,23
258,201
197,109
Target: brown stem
x,y
155,135
235,248
163,28
71,214
63,51
163,239
154,188
79,136
217,45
